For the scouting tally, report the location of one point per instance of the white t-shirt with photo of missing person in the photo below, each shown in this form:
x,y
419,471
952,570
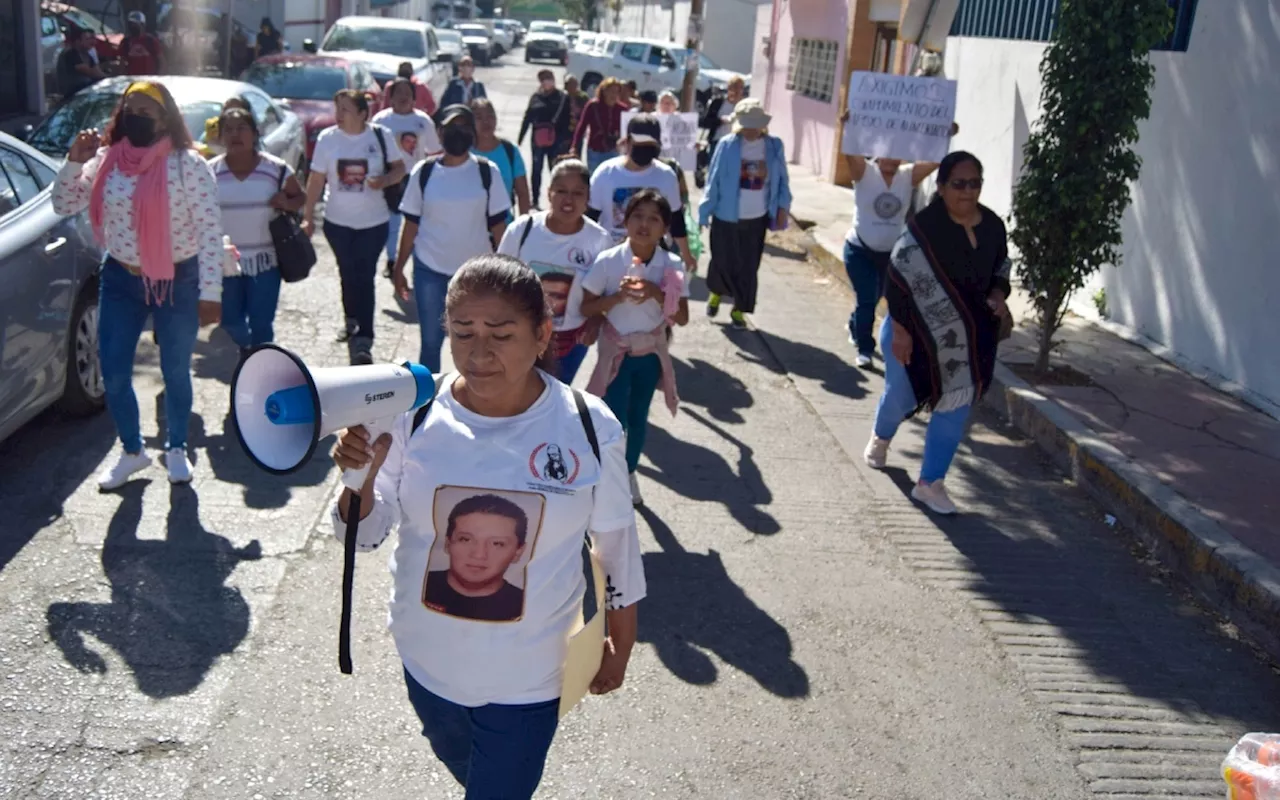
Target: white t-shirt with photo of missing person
x,y
613,184
347,163
414,133
561,261
487,569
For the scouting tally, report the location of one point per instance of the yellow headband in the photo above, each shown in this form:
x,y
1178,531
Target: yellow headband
x,y
147,89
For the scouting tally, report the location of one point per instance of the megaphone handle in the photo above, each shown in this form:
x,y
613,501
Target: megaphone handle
x,y
348,583
354,479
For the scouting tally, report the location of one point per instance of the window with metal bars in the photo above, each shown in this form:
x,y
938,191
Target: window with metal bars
x,y
1035,20
811,70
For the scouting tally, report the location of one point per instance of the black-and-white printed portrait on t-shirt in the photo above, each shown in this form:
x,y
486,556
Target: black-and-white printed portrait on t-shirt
x,y
484,541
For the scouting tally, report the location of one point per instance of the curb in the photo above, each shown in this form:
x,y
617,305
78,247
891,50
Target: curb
x,y
1233,579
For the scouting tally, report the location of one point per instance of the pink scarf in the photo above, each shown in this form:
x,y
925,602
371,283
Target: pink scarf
x,y
150,165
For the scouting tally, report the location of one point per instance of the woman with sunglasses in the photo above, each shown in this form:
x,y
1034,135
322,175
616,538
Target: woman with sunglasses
x,y
948,279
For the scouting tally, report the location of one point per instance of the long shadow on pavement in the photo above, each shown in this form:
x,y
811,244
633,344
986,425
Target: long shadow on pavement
x,y
1041,552
694,606
708,386
171,616
771,351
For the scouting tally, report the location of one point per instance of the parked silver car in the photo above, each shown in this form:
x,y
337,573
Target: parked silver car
x,y
49,306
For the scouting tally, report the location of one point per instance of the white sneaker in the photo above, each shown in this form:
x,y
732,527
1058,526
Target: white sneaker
x,y
877,452
118,474
934,496
862,361
636,498
181,470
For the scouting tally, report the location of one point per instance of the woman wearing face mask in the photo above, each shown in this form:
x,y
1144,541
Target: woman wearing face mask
x,y
560,245
348,170
948,280
454,209
548,115
488,569
153,203
415,135
619,178
603,118
501,152
641,291
747,193
252,187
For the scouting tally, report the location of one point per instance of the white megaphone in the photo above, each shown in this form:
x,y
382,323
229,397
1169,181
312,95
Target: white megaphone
x,y
281,409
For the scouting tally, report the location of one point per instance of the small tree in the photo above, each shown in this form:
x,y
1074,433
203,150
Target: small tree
x,y
1079,160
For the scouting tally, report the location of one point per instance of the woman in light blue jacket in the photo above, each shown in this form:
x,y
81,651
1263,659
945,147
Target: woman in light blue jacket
x,y
747,194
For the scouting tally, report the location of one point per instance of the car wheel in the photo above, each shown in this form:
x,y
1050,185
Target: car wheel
x,y
84,392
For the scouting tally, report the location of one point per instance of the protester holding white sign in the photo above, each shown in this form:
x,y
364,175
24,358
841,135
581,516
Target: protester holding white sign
x,y
899,116
881,200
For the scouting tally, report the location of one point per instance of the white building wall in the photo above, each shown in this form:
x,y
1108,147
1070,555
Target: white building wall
x,y
726,36
1199,271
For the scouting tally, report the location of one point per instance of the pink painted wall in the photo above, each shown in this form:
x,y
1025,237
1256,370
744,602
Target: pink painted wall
x,y
807,126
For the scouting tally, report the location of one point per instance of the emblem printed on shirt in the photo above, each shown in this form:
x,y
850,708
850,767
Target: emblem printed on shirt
x,y
887,205
578,258
550,462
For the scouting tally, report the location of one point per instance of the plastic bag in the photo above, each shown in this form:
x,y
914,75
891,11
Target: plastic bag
x,y
694,233
1252,768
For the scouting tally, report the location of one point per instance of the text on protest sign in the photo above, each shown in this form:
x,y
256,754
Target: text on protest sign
x,y
679,136
898,116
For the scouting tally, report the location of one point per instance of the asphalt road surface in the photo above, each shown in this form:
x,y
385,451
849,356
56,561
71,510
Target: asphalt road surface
x,y
809,632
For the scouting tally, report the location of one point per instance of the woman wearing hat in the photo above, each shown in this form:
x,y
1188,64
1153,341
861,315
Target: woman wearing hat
x,y
747,193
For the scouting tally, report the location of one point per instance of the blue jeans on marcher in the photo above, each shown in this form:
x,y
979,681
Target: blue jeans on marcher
x,y
122,314
866,270
567,366
946,428
629,396
429,290
497,752
597,157
393,236
249,307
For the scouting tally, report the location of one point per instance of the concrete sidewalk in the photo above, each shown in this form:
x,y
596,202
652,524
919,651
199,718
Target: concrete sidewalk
x,y
1189,468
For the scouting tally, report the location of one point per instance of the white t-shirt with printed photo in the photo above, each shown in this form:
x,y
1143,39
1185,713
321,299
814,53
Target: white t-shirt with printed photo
x,y
487,570
414,133
613,184
753,180
605,278
454,218
348,162
247,212
558,259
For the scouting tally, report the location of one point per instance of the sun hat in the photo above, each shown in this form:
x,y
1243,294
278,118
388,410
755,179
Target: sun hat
x,y
749,113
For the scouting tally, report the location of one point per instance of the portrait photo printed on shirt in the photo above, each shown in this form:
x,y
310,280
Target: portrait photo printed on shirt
x,y
409,142
352,173
556,283
484,541
621,196
753,175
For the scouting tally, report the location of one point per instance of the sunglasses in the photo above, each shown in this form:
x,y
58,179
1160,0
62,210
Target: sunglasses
x,y
960,184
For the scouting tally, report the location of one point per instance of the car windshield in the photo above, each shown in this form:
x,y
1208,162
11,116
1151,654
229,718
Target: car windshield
x,y
703,62
546,27
90,109
448,36
86,21
297,80
473,30
394,41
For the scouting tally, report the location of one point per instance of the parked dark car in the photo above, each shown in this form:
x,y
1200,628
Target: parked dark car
x,y
49,307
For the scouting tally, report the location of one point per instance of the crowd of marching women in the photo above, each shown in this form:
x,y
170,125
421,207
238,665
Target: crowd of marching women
x,y
507,456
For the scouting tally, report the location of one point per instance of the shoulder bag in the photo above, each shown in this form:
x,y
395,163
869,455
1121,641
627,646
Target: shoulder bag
x,y
295,255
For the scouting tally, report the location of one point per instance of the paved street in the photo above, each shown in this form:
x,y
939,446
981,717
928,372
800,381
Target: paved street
x,y
809,632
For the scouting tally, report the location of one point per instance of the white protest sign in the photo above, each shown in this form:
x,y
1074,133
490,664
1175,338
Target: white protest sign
x,y
679,136
898,116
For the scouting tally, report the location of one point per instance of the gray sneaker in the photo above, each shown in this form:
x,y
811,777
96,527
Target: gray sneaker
x,y
360,349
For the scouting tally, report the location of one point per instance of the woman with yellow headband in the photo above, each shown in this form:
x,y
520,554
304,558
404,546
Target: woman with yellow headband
x,y
153,203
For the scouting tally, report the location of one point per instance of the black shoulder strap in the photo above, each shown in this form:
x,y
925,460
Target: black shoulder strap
x,y
420,415
486,176
427,166
511,153
524,236
382,144
587,425
280,180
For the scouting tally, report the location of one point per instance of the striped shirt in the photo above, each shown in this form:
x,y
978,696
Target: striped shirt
x,y
246,209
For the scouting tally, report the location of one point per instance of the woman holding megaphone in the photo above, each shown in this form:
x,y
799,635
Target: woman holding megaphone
x,y
496,488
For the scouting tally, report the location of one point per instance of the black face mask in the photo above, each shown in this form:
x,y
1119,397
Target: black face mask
x,y
139,130
643,154
457,141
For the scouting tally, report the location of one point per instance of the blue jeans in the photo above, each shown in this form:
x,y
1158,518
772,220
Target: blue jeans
x,y
567,367
356,251
249,307
946,428
122,314
866,270
393,236
629,396
429,290
597,157
497,752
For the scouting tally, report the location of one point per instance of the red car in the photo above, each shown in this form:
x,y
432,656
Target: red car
x,y
306,84
58,18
